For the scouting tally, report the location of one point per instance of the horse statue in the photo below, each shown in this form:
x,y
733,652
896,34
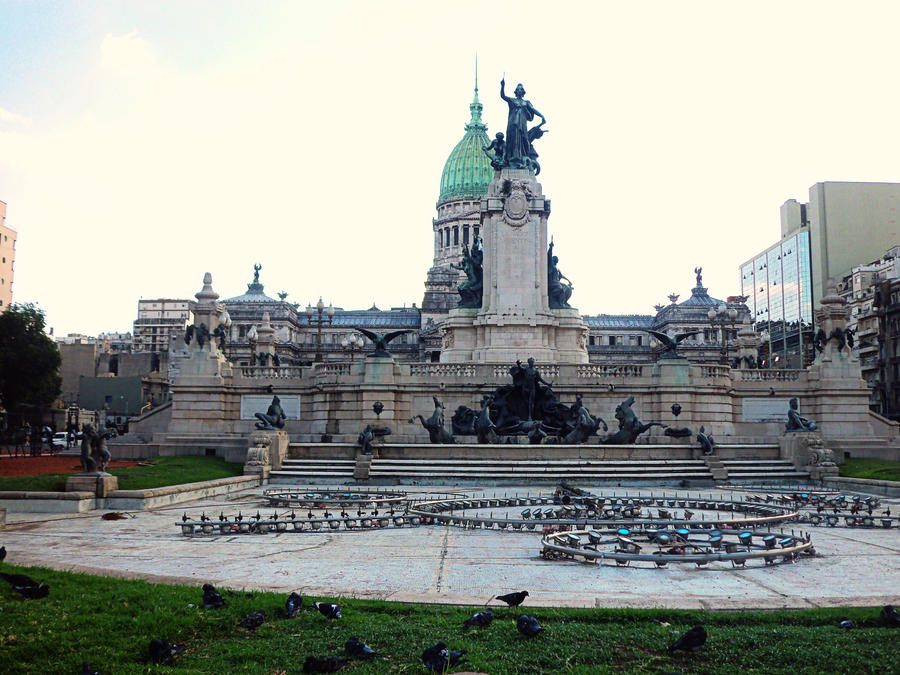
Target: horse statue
x,y
434,425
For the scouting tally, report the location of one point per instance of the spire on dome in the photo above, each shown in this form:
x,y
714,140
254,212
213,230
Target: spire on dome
x,y
475,107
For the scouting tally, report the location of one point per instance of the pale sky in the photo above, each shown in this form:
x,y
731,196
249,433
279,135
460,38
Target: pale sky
x,y
145,143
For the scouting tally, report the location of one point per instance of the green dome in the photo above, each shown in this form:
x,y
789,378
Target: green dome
x,y
468,171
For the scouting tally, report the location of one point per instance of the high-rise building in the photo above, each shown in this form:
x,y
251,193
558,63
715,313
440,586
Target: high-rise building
x,y
843,225
8,236
157,319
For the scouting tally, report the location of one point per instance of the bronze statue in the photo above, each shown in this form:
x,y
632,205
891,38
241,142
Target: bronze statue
x,y
630,427
484,427
273,418
557,291
434,425
707,444
497,145
518,152
795,421
369,435
382,341
94,454
699,272
471,290
256,268
528,378
670,344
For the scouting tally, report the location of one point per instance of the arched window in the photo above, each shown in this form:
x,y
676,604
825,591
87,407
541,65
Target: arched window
x,y
455,235
466,234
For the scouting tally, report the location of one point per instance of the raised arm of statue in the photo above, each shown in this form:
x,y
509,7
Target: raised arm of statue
x,y
503,90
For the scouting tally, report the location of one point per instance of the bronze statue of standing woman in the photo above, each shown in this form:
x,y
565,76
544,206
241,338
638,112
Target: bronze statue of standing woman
x,y
518,152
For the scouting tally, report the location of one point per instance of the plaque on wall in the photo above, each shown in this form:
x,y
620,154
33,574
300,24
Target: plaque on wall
x,y
256,403
768,409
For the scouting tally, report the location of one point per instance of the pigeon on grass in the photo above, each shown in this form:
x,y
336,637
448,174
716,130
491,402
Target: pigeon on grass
x,y
212,599
528,626
438,658
163,651
691,641
254,621
846,624
481,619
293,604
26,586
358,649
890,616
328,610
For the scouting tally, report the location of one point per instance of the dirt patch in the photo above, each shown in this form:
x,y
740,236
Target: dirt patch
x,y
35,466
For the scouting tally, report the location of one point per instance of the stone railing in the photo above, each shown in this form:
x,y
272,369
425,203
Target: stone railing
x,y
600,370
272,372
338,368
753,375
443,369
715,371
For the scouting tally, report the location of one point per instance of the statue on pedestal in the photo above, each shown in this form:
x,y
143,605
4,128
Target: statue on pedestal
x,y
497,145
94,454
471,290
518,152
630,427
795,421
558,292
434,425
273,418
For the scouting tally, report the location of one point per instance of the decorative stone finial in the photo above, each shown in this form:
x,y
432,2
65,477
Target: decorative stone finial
x,y
207,294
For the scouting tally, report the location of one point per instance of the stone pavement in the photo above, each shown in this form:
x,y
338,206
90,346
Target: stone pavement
x,y
446,564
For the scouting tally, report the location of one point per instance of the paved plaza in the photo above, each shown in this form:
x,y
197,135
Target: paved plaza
x,y
443,564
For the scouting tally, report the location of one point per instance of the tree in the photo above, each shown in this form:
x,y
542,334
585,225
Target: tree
x,y
29,360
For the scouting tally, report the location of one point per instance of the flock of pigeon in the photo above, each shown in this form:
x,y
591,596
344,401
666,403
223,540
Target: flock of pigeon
x,y
437,658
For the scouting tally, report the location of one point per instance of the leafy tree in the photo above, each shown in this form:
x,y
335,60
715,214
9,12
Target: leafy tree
x,y
29,360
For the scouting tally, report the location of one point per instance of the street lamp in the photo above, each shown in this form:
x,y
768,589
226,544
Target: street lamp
x,y
310,313
722,317
352,344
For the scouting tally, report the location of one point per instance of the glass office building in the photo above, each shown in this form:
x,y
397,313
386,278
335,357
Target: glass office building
x,y
778,286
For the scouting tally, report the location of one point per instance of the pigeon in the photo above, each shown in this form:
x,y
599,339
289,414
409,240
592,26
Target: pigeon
x,y
87,670
292,606
254,621
438,658
26,586
212,599
690,641
890,616
846,623
114,515
358,649
528,626
2,553
162,651
323,664
328,610
513,599
481,619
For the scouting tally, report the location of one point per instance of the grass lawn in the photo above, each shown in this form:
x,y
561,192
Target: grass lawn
x,y
110,622
164,471
878,469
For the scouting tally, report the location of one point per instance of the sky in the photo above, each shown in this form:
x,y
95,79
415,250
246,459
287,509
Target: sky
x,y
145,143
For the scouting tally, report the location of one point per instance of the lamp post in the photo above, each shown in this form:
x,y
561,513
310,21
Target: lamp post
x,y
721,317
310,313
352,344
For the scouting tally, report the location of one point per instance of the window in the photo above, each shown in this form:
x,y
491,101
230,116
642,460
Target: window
x,y
455,235
465,234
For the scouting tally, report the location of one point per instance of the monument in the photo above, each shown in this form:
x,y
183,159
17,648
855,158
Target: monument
x,y
523,308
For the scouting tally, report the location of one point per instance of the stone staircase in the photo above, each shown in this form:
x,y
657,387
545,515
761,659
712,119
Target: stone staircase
x,y
762,470
303,471
546,471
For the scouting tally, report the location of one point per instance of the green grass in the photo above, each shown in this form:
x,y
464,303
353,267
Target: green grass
x,y
164,471
878,469
109,622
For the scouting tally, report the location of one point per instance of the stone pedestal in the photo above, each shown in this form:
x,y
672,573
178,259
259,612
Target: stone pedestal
x,y
267,449
101,484
515,320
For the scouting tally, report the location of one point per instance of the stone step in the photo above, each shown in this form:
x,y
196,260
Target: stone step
x,y
769,475
325,474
